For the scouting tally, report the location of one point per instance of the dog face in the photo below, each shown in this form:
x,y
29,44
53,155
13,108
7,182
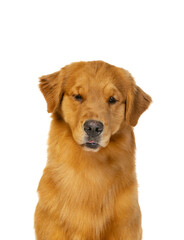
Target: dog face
x,y
98,99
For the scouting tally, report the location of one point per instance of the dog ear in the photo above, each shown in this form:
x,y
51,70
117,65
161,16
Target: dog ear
x,y
137,102
51,86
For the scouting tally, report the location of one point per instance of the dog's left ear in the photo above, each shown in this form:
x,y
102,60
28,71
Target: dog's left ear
x,y
51,86
137,102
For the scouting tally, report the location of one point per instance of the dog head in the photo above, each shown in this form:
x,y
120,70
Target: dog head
x,y
95,99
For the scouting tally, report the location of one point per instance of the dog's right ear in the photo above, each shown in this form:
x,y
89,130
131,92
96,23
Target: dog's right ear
x,y
51,86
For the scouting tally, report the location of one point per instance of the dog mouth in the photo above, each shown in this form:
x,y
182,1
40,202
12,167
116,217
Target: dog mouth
x,y
91,144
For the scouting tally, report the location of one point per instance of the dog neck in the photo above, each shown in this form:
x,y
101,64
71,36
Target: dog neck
x,y
117,157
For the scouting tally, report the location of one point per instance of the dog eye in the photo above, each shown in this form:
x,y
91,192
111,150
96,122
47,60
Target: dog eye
x,y
78,97
112,100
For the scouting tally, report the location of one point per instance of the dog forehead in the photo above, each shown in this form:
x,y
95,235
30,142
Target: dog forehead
x,y
93,85
89,75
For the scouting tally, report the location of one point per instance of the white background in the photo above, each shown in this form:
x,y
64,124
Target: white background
x,y
40,37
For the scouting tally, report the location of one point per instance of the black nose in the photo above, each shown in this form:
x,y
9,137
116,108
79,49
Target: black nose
x,y
93,128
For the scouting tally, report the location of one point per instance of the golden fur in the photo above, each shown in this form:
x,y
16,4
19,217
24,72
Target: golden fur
x,y
86,193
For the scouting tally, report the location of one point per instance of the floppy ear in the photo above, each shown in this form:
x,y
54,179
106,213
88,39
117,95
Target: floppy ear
x,y
51,86
137,102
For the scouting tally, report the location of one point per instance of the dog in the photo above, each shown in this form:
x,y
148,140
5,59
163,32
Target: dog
x,y
88,190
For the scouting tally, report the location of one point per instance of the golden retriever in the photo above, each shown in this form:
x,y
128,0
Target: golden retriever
x,y
88,190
